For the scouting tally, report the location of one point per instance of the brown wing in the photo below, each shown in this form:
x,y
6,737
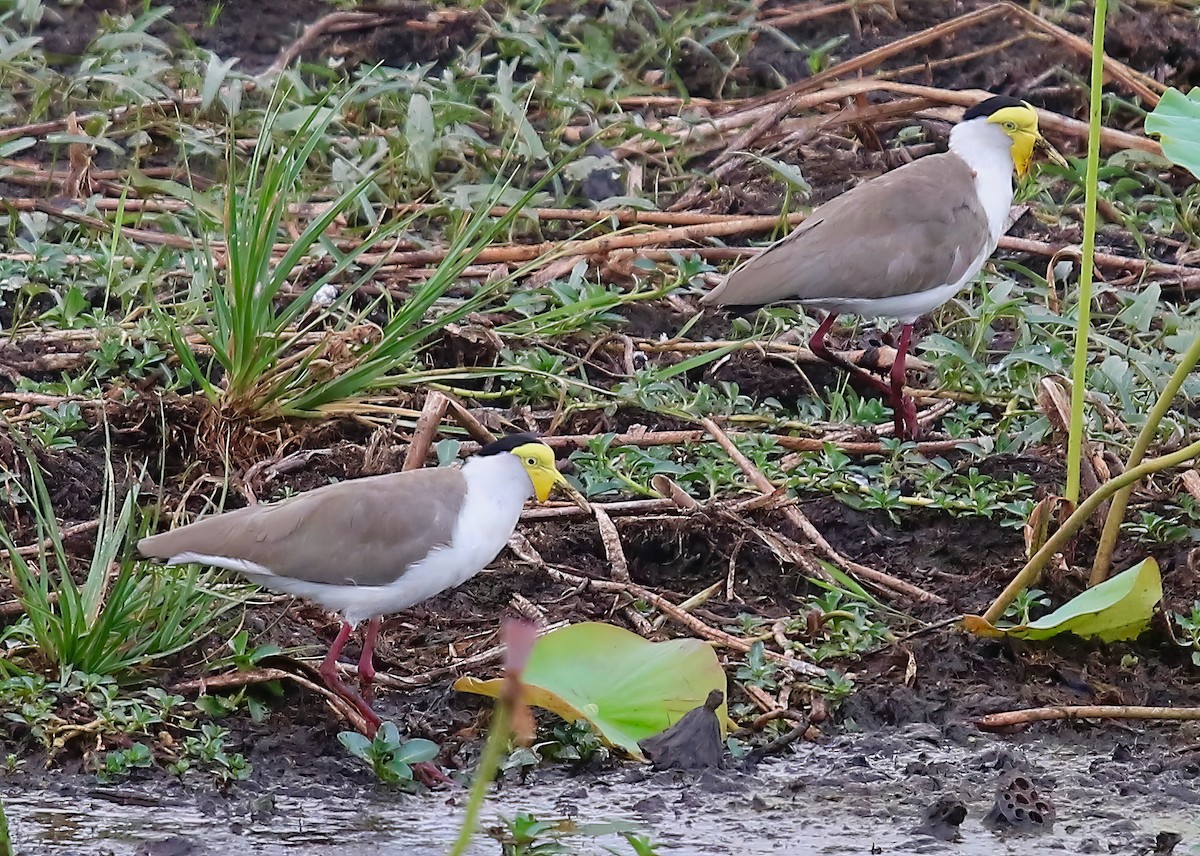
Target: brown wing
x,y
915,228
364,532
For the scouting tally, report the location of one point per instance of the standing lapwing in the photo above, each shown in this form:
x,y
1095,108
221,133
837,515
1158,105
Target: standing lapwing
x,y
901,244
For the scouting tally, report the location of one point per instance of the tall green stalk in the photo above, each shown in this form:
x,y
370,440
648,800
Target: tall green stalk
x,y
518,637
1029,574
485,773
1084,301
1116,512
5,841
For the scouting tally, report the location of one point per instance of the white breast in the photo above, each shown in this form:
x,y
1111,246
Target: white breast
x,y
988,151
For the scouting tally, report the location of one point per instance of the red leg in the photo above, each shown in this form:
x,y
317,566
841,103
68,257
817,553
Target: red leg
x,y
334,681
817,346
328,668
366,662
904,409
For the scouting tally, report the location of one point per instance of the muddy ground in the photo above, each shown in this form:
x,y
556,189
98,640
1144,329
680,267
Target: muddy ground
x,y
1115,787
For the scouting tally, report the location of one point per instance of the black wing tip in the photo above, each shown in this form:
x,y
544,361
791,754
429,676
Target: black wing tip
x,y
990,105
507,444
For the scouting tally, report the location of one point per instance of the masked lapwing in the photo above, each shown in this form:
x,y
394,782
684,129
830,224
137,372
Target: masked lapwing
x,y
373,546
901,244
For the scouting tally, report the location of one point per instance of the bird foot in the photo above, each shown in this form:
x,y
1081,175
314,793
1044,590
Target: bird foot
x,y
429,775
905,419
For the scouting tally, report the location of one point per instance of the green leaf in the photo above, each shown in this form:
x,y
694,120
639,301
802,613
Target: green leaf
x,y
12,147
63,138
419,135
416,751
788,173
355,743
1117,609
215,73
313,119
1176,120
627,687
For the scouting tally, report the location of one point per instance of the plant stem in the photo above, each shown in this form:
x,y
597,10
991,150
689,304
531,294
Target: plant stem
x,y
489,762
1087,260
1033,567
1116,512
5,841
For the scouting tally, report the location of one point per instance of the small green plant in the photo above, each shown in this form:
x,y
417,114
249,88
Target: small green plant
x,y
835,686
748,624
1153,528
259,338
1021,610
119,763
641,844
575,742
243,656
757,670
57,424
389,758
523,834
208,752
845,626
1189,627
219,706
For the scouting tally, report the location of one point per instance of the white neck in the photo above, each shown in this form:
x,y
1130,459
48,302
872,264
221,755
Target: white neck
x,y
987,150
501,477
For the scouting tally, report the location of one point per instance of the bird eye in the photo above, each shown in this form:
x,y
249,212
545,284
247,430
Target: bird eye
x,y
1010,126
531,461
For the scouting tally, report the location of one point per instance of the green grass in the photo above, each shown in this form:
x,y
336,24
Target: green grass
x,y
123,616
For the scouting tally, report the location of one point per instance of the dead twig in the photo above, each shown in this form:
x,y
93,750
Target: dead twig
x,y
432,413
1187,276
630,506
469,423
247,677
782,741
677,438
117,114
1141,85
1020,718
47,543
797,518
329,23
1055,402
619,566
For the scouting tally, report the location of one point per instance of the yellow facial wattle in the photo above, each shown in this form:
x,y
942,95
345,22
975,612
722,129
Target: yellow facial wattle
x,y
1021,125
538,461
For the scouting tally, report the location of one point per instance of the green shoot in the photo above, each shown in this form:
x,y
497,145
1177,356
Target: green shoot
x,y
1083,303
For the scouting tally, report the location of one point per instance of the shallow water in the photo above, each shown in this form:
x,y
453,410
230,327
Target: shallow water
x,y
854,795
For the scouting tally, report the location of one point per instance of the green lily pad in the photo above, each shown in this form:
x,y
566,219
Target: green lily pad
x,y
1118,608
1176,120
627,687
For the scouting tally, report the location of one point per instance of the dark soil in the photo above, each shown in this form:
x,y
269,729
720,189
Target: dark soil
x,y
966,562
